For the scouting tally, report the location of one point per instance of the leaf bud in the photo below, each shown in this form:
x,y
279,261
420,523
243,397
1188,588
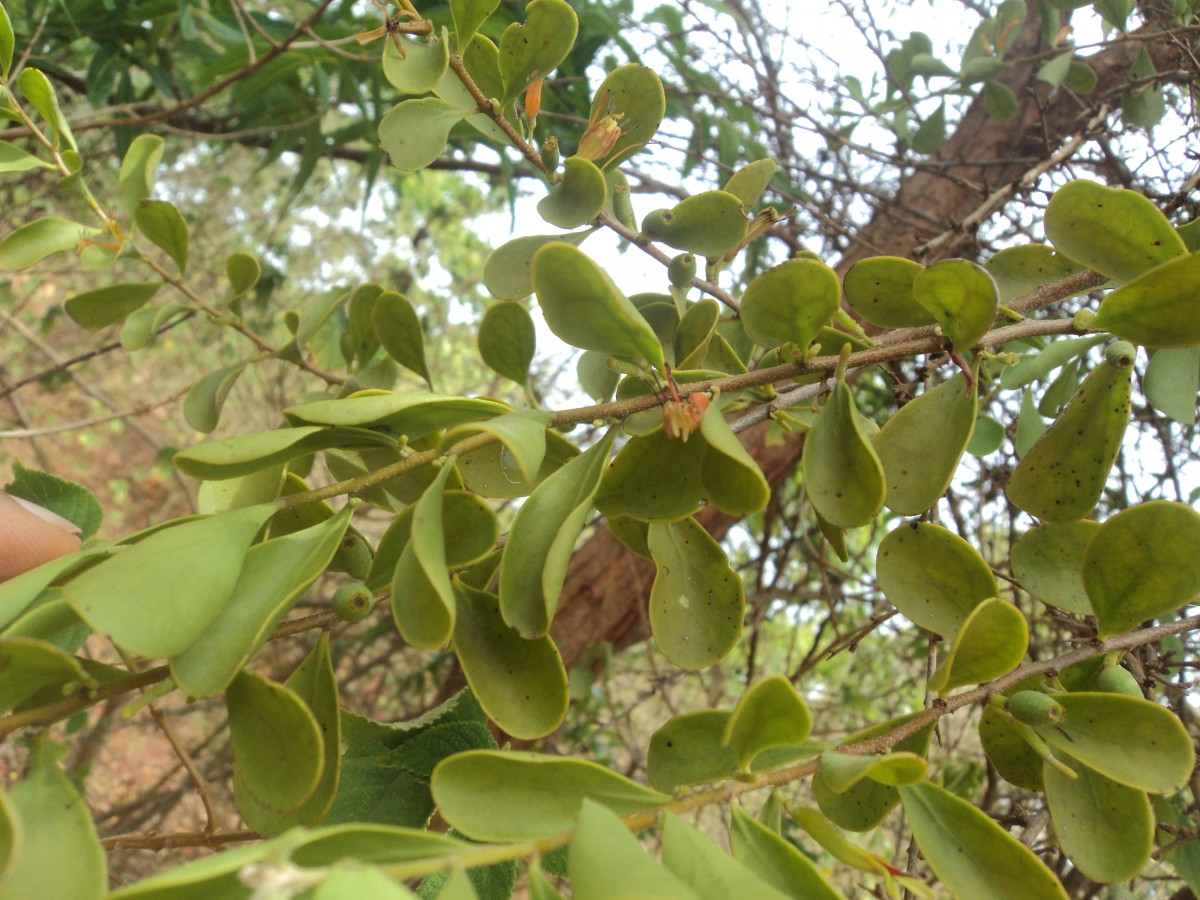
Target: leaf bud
x,y
550,155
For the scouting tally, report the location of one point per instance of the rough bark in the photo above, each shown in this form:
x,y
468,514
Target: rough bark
x,y
605,595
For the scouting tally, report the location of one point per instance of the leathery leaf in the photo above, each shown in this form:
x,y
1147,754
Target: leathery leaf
x,y
920,446
992,642
697,600
530,795
1158,308
1048,562
880,290
543,536
521,684
961,296
842,472
769,714
791,303
578,197
422,595
933,576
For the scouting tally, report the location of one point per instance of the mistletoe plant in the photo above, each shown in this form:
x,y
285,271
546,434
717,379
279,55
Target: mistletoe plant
x,y
189,603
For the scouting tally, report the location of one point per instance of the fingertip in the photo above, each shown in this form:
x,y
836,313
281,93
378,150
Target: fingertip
x,y
31,535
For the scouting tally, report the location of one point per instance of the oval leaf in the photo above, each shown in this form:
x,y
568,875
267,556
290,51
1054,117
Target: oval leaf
x,y
422,595
399,331
420,67
1157,308
776,859
507,340
534,48
414,132
163,225
708,224
508,273
578,197
880,290
791,303
842,472
961,296
32,243
634,95
1048,562
991,643
769,714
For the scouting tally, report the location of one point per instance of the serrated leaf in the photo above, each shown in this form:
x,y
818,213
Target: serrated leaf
x,y
1106,829
933,576
1156,308
578,197
201,559
36,240
1117,232
697,600
916,470
278,753
842,472
769,715
273,577
507,340
1141,564
72,501
542,538
520,683
59,854
399,331
1132,741
972,855
790,303
414,132
1048,562
203,404
584,308
962,296
992,642
163,225
531,795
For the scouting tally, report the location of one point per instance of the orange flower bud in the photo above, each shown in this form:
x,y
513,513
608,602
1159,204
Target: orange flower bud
x,y
533,99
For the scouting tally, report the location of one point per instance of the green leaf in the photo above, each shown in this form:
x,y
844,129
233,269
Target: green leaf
x,y
972,855
34,241
932,132
634,94
607,861
34,667
414,132
688,750
17,593
468,15
1082,78
933,576
421,66
352,881
521,684
842,471
508,273
1156,308
535,48
750,181
578,197
59,854
1132,741
961,296
399,331
694,333
1172,381
7,44
1141,564
422,595
274,575
992,642
542,538
1016,761
707,224
138,169
769,714
243,272
654,479
526,454
999,99
278,752
202,407
707,870
124,598
1048,562
790,303
247,453
1021,270
584,308
412,415
102,307
40,93
1144,106
1054,72
13,158
1038,366
163,224
880,289
918,470
731,479
529,795
824,833
72,501
1106,829
842,771
777,860
697,600
12,834
507,340
465,515
1117,232
988,437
